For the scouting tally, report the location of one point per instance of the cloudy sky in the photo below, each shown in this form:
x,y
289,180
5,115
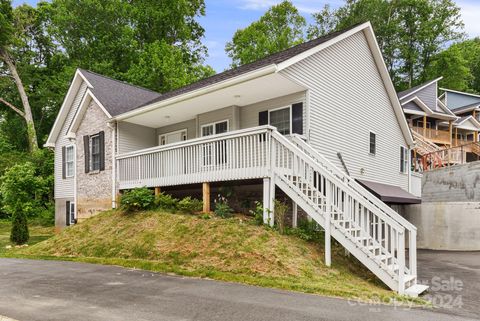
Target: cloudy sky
x,y
223,18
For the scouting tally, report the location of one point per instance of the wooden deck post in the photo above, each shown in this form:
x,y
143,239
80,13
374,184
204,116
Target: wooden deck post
x,y
157,190
456,136
206,197
450,130
425,126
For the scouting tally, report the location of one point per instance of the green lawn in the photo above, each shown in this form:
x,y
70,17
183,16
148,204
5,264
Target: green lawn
x,y
37,234
232,249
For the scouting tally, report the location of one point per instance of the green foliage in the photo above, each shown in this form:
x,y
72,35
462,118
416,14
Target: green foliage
x,y
166,202
205,216
280,216
280,28
19,233
23,190
190,205
307,230
257,213
222,209
137,199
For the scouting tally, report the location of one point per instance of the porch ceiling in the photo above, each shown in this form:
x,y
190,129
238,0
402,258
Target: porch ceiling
x,y
242,94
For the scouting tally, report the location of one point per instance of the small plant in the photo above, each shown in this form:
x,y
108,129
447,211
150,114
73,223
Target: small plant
x,y
137,199
280,216
166,202
257,213
308,230
222,209
19,234
205,216
190,205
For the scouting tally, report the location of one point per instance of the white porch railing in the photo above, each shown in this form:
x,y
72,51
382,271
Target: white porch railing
x,y
235,155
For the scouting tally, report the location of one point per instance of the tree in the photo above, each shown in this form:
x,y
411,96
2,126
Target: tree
x,y
280,28
410,32
19,233
9,30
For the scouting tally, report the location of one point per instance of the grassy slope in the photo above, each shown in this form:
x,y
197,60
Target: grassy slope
x,y
223,249
37,234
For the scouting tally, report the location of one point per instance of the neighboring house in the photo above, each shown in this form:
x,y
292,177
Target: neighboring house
x,y
311,121
441,132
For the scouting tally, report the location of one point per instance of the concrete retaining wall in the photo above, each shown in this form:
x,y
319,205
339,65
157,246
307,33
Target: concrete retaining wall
x,y
449,216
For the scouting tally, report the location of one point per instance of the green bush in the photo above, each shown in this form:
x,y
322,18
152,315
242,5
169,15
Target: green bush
x,y
190,205
257,213
222,209
166,202
137,199
19,234
308,230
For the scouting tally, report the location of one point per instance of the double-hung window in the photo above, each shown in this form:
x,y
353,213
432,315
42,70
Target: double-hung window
x,y
69,161
403,159
282,119
95,152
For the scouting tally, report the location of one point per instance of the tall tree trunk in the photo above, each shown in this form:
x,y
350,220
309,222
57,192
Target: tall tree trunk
x,y
27,110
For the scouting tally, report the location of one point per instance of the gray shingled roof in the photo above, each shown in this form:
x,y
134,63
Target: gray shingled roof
x,y
116,96
275,58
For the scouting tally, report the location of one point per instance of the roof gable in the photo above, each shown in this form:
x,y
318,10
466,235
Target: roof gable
x,y
457,99
467,123
406,93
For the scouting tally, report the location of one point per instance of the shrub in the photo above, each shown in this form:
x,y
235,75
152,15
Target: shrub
x,y
190,205
137,199
166,202
222,209
19,234
257,213
308,231
280,215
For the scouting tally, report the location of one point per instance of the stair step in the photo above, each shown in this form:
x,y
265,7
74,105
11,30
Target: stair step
x,y
393,267
409,278
415,290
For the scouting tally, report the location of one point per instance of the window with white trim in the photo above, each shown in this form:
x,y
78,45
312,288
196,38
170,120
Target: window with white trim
x,y
403,159
95,152
281,119
373,143
69,161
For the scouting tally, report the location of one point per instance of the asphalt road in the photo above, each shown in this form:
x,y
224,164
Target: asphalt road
x,y
52,290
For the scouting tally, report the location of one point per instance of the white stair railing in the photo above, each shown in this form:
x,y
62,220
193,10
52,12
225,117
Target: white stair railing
x,y
410,229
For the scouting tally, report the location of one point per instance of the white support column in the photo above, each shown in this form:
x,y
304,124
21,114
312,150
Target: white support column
x,y
266,199
328,245
271,217
294,214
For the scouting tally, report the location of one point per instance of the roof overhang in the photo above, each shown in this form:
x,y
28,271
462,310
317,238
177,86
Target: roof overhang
x,y
461,110
460,92
390,193
426,110
77,81
469,124
261,88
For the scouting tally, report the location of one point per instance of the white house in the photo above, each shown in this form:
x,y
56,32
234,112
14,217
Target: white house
x,y
320,121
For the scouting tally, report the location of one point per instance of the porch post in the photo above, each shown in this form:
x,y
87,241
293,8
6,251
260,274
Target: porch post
x,y
271,216
266,199
456,136
294,214
425,126
328,245
206,197
450,130
157,190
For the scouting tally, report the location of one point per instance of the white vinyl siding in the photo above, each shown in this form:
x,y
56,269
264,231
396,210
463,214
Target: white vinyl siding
x,y
189,126
64,187
347,100
132,137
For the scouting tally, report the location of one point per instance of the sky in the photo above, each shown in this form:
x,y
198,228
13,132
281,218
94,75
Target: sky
x,y
224,17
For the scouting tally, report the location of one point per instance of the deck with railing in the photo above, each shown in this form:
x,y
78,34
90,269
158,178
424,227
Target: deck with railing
x,y
435,135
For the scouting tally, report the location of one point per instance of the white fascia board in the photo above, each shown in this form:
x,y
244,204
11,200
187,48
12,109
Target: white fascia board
x,y
422,87
472,120
445,108
64,109
414,112
460,92
270,69
82,108
387,82
287,63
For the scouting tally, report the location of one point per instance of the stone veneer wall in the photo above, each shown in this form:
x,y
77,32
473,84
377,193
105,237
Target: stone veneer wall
x,y
94,189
